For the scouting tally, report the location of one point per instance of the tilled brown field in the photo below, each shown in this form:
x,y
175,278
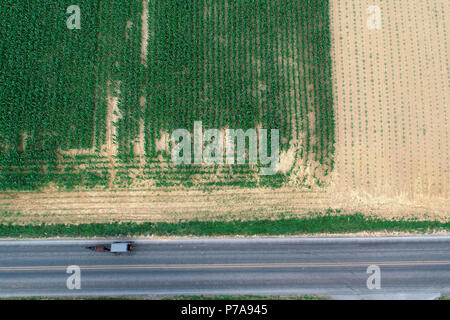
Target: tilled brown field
x,y
391,93
158,205
186,204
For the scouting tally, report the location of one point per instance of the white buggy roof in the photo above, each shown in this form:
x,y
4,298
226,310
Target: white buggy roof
x,y
119,247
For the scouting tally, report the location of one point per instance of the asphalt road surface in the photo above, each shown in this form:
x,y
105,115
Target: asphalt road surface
x,y
410,267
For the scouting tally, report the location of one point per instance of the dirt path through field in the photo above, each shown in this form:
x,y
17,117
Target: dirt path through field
x,y
144,32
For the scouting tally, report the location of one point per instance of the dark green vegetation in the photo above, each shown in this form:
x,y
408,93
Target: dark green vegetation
x,y
236,64
329,222
48,78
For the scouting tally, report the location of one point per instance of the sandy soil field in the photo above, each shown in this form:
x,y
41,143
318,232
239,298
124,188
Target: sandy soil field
x,y
392,100
186,204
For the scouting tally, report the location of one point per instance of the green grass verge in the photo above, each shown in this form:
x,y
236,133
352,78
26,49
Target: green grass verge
x,y
314,223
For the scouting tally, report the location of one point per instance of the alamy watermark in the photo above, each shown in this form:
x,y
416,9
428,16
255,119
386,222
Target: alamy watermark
x,y
74,280
374,281
74,20
374,19
229,146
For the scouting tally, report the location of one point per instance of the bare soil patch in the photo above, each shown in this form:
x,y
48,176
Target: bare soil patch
x,y
160,204
391,92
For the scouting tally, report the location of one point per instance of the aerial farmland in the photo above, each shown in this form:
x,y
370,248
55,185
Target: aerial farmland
x,y
352,96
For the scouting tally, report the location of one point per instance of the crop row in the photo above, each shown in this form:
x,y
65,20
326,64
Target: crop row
x,y
230,64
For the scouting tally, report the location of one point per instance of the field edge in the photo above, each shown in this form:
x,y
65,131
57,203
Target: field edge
x,y
328,223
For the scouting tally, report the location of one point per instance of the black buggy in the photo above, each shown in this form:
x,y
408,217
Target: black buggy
x,y
115,247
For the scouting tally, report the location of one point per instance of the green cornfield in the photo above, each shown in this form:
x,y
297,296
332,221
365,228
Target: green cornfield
x,y
231,64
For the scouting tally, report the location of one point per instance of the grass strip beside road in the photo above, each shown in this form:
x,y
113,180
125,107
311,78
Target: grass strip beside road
x,y
326,223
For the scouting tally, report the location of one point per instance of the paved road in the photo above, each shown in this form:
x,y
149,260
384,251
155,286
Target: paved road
x,y
336,267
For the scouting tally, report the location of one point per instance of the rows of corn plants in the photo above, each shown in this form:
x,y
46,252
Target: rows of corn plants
x,y
230,64
48,79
